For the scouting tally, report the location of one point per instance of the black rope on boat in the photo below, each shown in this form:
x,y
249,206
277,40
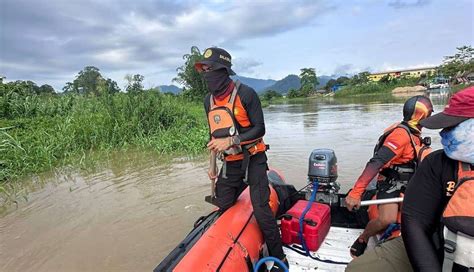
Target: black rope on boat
x,y
202,219
294,248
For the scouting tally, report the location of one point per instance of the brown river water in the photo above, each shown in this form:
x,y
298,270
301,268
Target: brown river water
x,y
127,213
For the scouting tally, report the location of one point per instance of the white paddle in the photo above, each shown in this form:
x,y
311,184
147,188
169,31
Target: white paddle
x,y
381,201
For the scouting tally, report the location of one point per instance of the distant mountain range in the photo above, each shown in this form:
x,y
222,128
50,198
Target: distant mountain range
x,y
257,84
285,84
261,85
323,80
170,89
292,82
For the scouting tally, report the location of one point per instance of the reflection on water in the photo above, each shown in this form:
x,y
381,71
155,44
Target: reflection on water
x,y
129,212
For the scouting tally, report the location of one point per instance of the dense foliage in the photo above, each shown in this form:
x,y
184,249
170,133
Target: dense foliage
x,y
461,62
309,81
39,130
89,81
375,87
270,94
195,87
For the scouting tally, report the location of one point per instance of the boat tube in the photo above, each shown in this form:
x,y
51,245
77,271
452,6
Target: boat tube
x,y
231,241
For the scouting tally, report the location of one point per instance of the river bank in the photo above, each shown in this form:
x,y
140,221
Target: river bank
x,y
38,133
371,88
350,99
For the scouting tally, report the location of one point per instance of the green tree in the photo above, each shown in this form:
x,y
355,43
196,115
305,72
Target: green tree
x,y
194,85
112,86
270,94
3,88
463,55
68,88
46,89
360,78
134,83
88,80
462,61
331,83
309,81
21,87
293,93
385,79
342,80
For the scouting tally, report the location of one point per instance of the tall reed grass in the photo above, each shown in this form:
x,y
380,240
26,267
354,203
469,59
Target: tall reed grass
x,y
40,132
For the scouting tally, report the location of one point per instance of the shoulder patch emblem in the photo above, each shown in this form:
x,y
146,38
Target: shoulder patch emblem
x,y
217,119
208,53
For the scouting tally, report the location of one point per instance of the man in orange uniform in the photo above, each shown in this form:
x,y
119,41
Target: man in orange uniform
x,y
237,128
395,160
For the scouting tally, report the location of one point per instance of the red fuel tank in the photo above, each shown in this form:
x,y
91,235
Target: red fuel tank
x,y
315,227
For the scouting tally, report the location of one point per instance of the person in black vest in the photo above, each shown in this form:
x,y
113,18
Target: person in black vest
x,y
237,128
433,188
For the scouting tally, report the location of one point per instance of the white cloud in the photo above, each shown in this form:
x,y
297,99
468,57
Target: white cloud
x,y
245,66
143,35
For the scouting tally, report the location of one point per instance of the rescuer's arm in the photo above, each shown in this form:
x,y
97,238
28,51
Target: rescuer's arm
x,y
422,207
252,105
383,156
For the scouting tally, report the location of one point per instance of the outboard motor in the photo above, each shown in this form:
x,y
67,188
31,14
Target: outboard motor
x,y
323,168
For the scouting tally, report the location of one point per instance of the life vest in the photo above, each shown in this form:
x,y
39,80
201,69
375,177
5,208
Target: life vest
x,y
398,170
458,219
224,122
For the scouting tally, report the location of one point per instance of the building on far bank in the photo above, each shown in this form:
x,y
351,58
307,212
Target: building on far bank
x,y
1,79
407,73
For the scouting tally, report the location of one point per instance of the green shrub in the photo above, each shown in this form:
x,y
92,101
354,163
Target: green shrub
x,y
41,132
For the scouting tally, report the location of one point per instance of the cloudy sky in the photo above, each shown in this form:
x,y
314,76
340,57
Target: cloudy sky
x,y
49,41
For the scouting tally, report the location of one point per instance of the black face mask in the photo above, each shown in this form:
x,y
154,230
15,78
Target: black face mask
x,y
217,81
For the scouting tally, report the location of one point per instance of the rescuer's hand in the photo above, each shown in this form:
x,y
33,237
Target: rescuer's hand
x,y
212,174
352,203
220,144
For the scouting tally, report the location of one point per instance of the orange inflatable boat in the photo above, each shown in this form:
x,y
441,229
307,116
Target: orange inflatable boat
x,y
231,241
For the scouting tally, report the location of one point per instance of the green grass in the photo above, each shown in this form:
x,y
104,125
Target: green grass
x,y
39,133
374,88
365,89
